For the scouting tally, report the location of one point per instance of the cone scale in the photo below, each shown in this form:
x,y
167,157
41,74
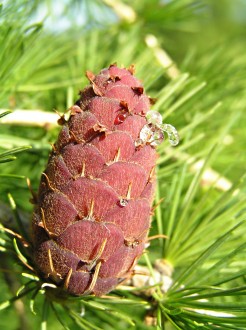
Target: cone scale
x,y
93,209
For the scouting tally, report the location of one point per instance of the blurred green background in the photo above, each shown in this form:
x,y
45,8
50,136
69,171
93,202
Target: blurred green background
x,y
189,54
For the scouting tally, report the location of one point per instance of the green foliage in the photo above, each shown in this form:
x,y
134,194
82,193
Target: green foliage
x,y
42,68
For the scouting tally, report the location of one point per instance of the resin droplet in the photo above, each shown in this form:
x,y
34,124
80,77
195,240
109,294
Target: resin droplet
x,y
123,202
154,117
151,134
157,137
120,118
172,133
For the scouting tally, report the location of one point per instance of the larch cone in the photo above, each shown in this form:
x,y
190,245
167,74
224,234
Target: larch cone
x,y
93,208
